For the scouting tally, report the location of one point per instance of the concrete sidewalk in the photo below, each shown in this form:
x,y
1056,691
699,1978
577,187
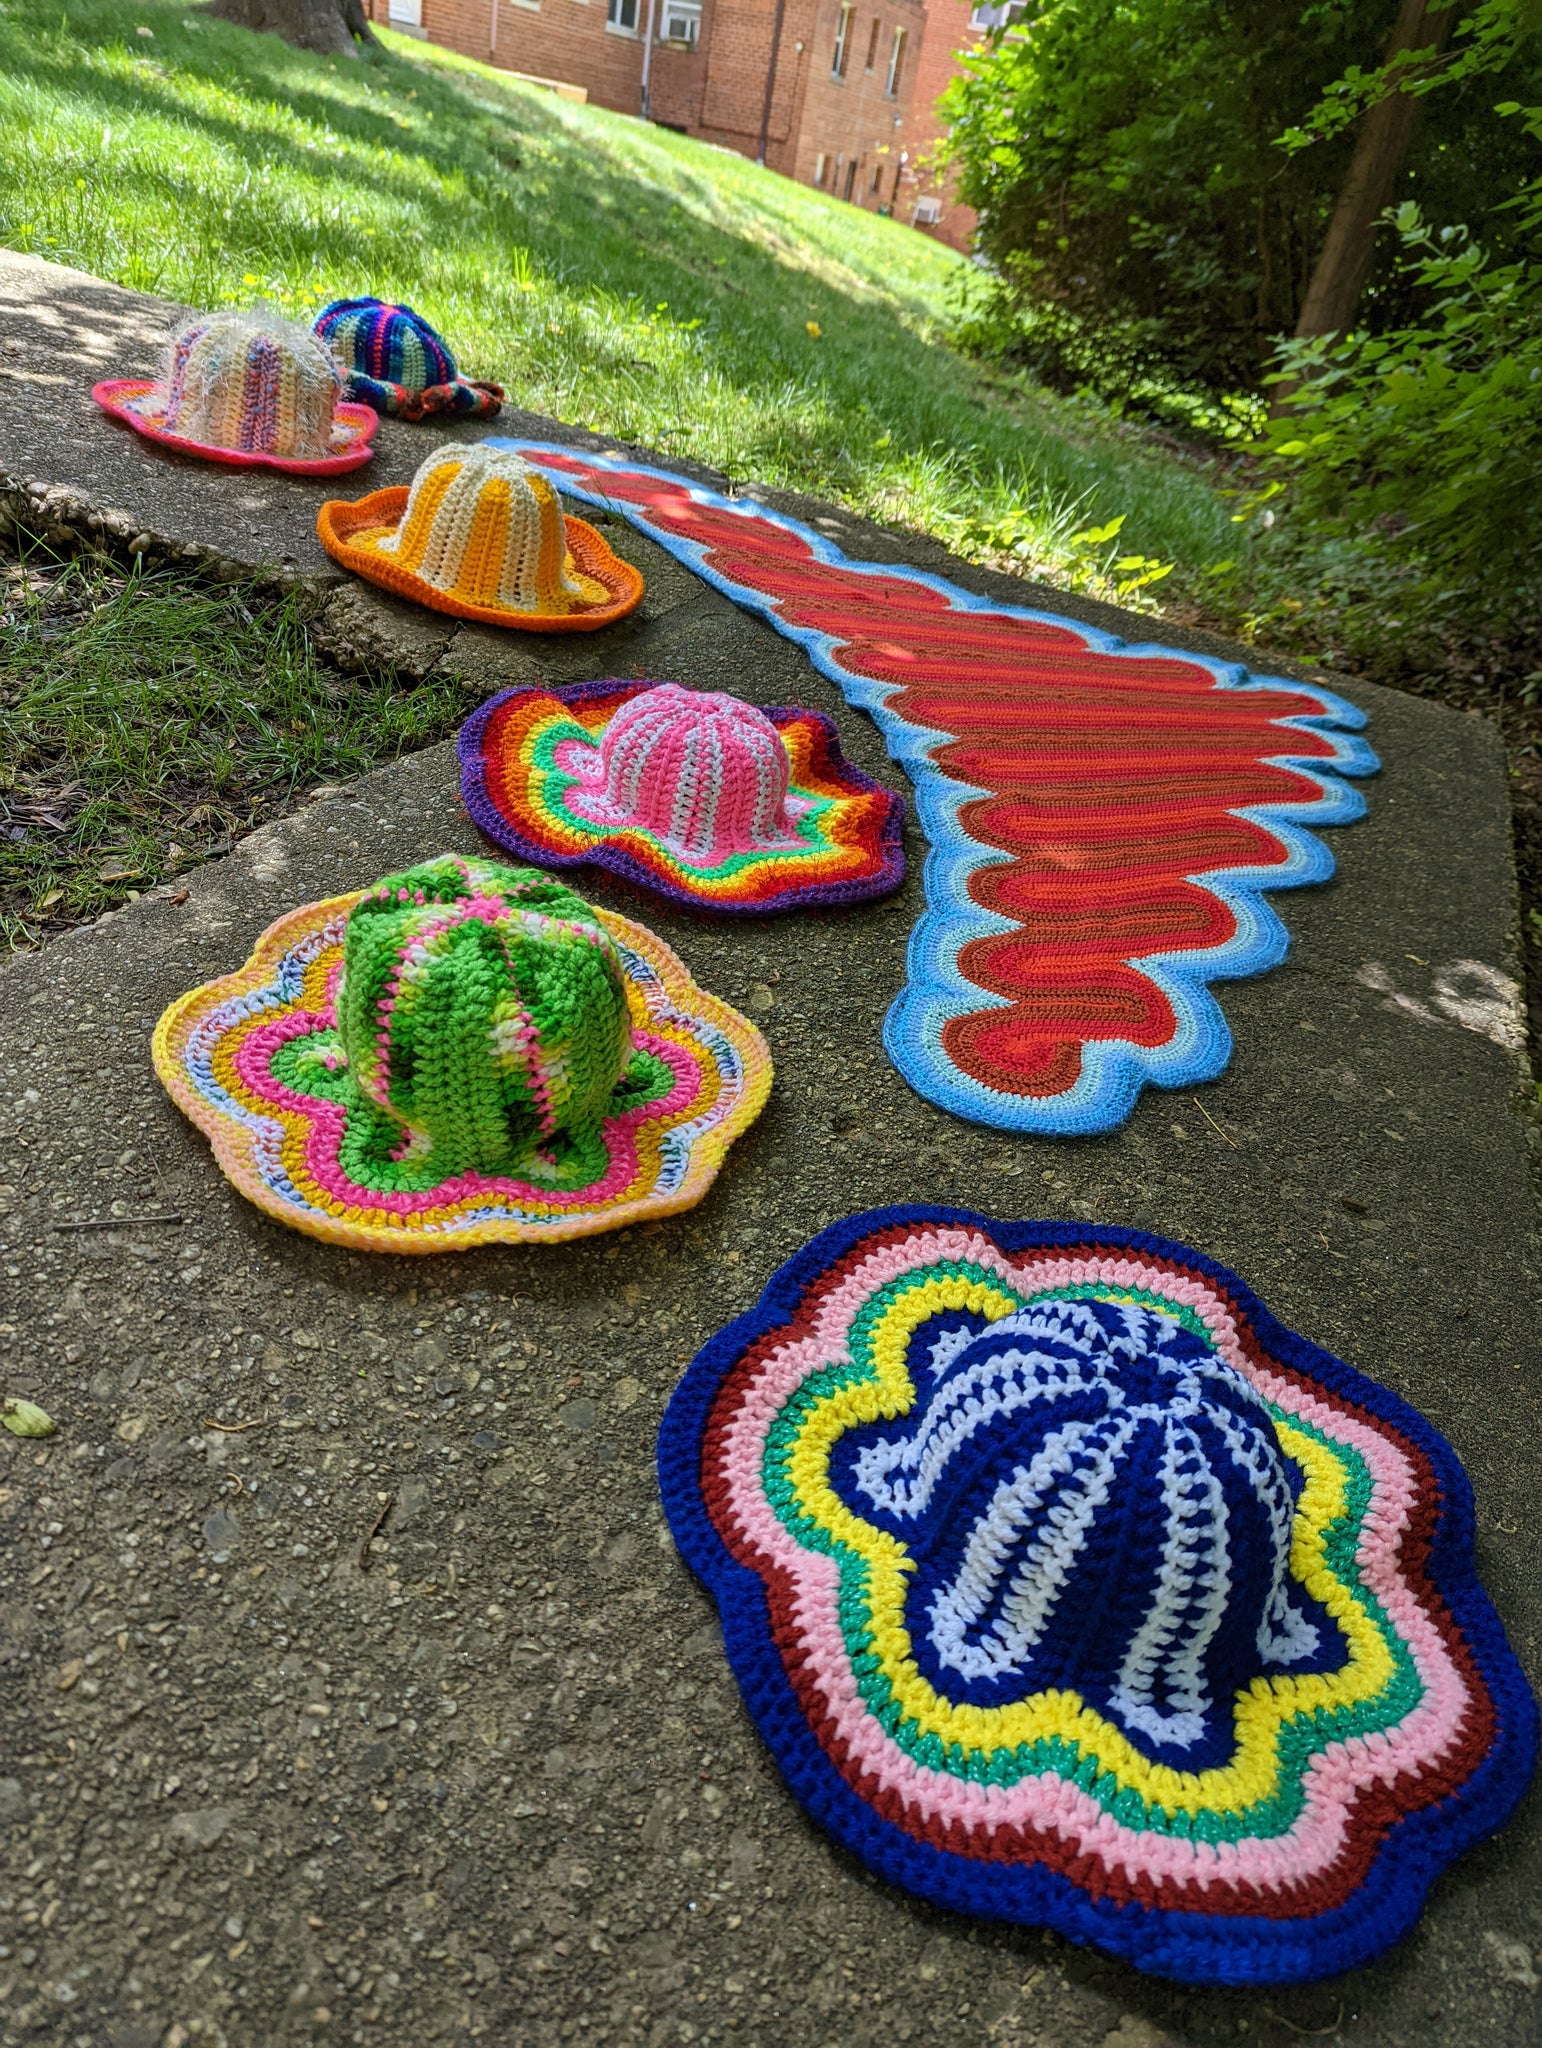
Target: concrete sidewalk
x,y
496,1782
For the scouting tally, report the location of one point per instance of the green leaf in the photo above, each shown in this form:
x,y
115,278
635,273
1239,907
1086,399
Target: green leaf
x,y
25,1418
1098,536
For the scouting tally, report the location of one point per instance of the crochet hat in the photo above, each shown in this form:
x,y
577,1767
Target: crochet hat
x,y
695,795
482,534
1070,1588
393,360
464,1054
247,389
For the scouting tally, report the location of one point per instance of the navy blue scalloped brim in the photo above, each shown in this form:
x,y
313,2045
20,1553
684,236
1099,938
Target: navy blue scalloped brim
x,y
615,858
1194,1948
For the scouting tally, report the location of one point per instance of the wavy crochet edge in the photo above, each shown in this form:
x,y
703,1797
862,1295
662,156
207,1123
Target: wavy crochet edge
x,y
234,1140
1189,1947
1113,1070
796,895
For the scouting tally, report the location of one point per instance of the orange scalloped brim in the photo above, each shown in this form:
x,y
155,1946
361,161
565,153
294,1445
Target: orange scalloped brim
x,y
241,1133
339,525
357,421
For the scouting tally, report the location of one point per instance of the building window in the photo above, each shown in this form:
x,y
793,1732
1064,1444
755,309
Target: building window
x,y
872,44
682,21
819,167
927,214
877,175
406,13
896,59
621,15
851,176
983,19
842,55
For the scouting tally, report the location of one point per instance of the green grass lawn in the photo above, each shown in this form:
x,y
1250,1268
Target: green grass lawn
x,y
147,721
613,274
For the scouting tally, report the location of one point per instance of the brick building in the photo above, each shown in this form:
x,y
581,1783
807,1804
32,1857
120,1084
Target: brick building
x,y
835,93
933,206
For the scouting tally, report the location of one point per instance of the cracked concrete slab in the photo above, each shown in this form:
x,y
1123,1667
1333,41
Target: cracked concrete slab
x,y
486,1775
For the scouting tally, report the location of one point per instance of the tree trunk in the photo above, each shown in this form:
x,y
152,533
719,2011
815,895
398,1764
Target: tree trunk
x,y
328,26
1386,129
356,21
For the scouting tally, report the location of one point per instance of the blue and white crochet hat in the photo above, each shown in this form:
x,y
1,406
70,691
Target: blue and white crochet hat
x,y
393,360
1068,1587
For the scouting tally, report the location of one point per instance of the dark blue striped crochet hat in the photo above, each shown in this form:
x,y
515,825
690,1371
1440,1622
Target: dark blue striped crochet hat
x,y
393,360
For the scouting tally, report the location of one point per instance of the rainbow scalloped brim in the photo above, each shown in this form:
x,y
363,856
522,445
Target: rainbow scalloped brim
x,y
1311,1849
140,403
215,1049
517,768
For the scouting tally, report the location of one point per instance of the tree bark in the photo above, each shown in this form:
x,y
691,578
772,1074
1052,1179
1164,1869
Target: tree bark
x,y
328,26
1386,129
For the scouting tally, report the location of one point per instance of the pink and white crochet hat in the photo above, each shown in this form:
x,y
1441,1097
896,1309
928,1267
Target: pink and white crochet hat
x,y
692,794
247,389
704,772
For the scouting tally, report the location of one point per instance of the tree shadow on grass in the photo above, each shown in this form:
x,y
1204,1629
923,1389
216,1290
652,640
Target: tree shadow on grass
x,y
490,251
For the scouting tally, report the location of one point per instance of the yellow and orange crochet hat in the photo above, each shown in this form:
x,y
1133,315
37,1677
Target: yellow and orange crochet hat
x,y
482,534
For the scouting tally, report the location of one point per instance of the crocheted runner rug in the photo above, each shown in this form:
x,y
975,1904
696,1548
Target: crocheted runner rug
x,y
1103,818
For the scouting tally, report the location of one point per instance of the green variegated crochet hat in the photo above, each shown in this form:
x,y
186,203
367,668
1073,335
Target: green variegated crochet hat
x,y
464,1053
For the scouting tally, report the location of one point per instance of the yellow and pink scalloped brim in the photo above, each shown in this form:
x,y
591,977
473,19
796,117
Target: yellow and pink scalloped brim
x,y
214,1049
132,400
351,534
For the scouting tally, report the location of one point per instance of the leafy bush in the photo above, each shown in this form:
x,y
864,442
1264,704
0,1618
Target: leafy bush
x,y
1143,222
1425,443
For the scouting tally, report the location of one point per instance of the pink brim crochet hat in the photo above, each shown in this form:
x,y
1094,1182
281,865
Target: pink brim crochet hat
x,y
140,402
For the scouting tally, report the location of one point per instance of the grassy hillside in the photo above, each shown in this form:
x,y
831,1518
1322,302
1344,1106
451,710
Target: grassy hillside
x,y
610,273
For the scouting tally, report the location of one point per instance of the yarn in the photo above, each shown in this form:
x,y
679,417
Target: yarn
x,y
1103,819
1068,1587
394,360
705,773
481,533
1093,1501
693,794
491,1039
463,1054
248,387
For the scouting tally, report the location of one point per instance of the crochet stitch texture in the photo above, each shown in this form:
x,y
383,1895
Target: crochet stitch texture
x,y
704,772
261,385
492,1040
248,387
465,1053
481,533
1068,1587
1103,819
692,794
394,360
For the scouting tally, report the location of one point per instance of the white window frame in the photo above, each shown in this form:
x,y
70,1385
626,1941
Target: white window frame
x,y
686,11
405,13
927,214
614,25
820,162
896,60
842,54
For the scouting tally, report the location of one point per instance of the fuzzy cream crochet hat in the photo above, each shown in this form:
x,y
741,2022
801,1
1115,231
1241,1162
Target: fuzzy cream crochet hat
x,y
247,388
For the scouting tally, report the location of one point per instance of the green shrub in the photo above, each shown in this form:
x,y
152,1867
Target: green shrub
x,y
1144,225
1424,444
